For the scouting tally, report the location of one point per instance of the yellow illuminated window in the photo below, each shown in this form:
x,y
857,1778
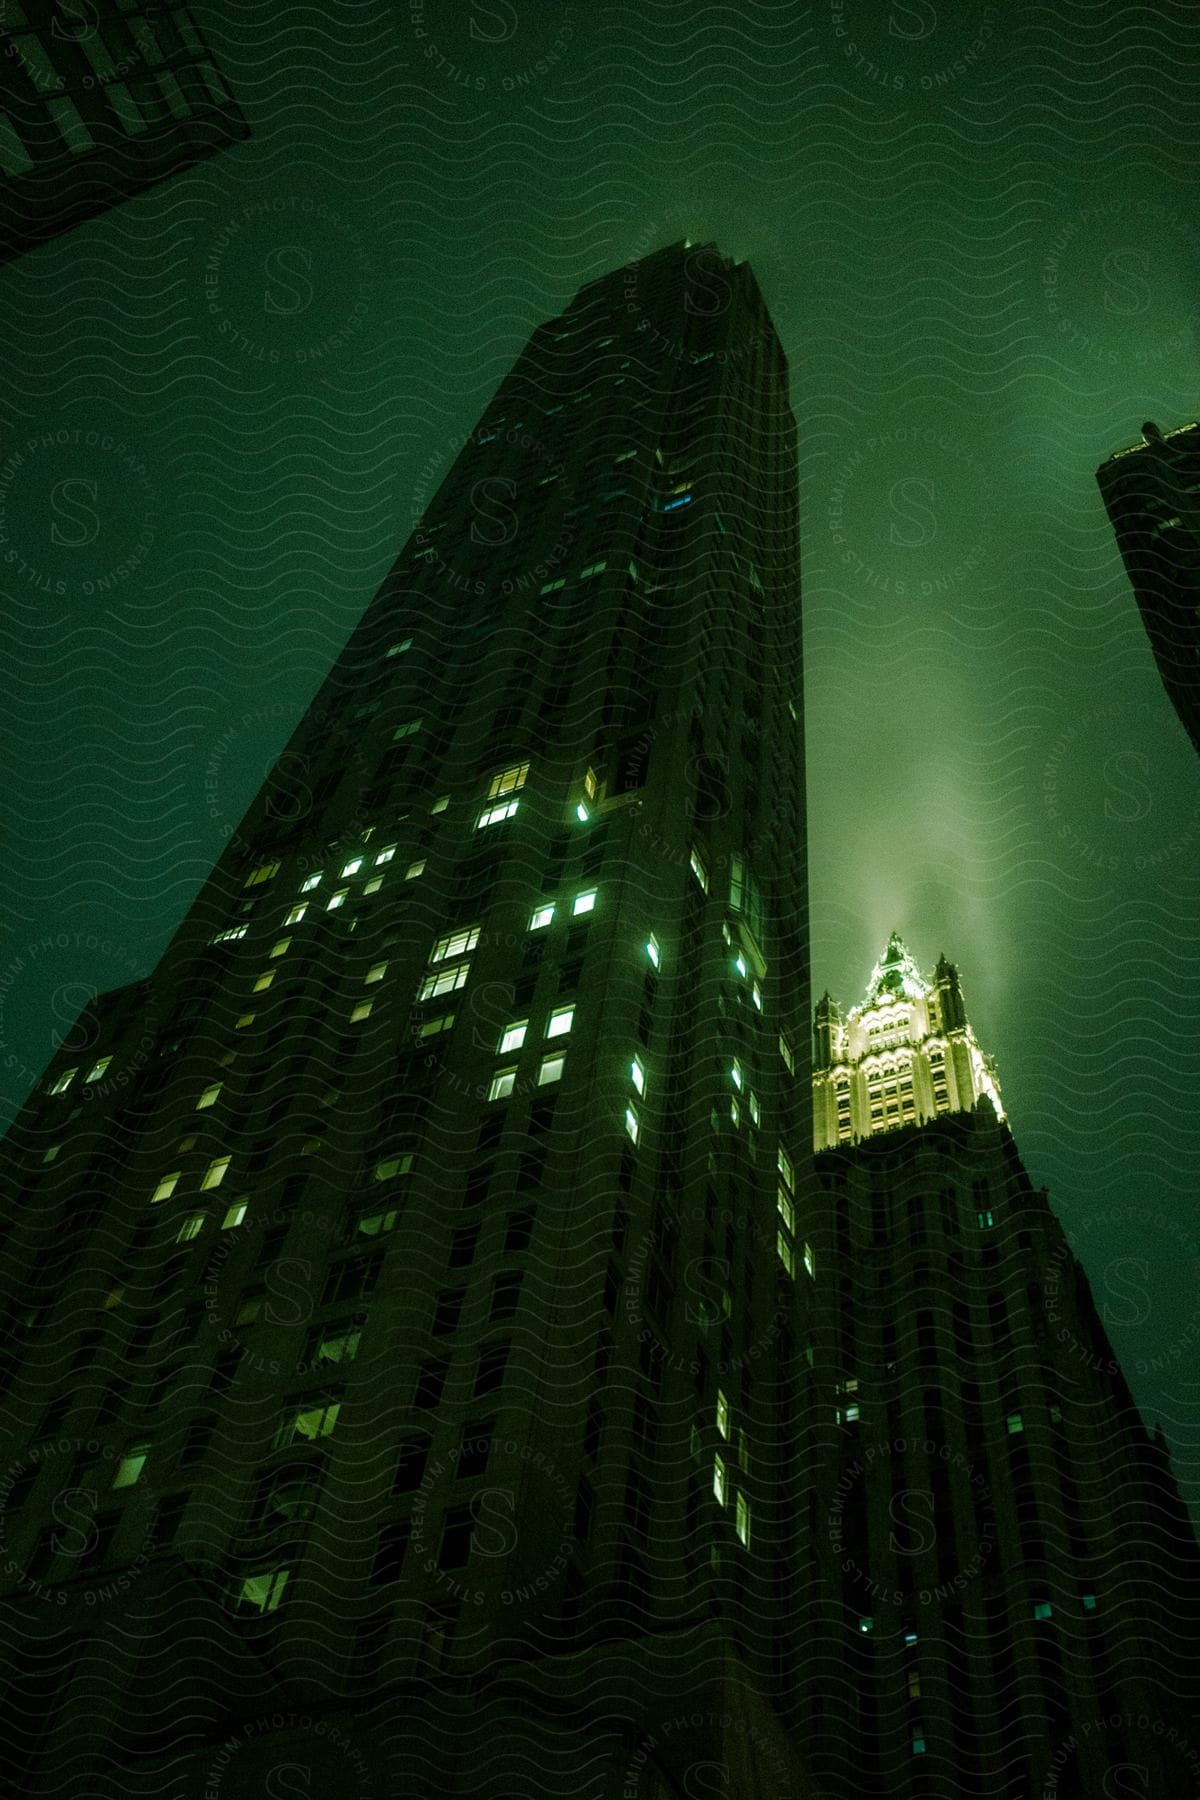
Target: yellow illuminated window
x,y
719,1488
97,1069
191,1227
311,882
209,1096
722,1414
64,1081
385,855
414,869
584,903
352,867
540,917
787,1255
455,943
787,1211
638,1072
696,863
652,950
280,949
130,1466
395,1165
265,872
503,1082
495,815
264,981
214,1175
809,1260
512,1037
508,781
551,1070
440,804
297,913
241,1024
743,1519
338,899
373,886
631,1122
237,1212
560,1021
166,1186
361,1011
376,972
786,1170
446,981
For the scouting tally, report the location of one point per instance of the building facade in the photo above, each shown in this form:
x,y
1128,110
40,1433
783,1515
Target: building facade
x,y
98,103
1152,493
407,1294
906,1054
1006,1598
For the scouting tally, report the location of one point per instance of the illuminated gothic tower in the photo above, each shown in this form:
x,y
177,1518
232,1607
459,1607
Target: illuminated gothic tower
x,y
405,1306
905,1054
1152,493
1005,1597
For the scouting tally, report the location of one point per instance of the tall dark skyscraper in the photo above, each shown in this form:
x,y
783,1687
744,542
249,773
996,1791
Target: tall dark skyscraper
x,y
97,102
407,1282
1009,1596
1152,492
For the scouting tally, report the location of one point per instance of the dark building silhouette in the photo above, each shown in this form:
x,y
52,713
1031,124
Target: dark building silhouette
x,y
1008,1601
1152,493
98,102
405,1285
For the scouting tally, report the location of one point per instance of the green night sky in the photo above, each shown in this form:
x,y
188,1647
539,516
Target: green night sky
x,y
977,230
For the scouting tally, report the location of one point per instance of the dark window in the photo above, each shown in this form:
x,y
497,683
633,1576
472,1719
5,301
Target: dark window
x,y
449,1306
390,1550
411,1464
431,1381
490,1374
475,1448
462,1246
520,1230
457,1529
505,1296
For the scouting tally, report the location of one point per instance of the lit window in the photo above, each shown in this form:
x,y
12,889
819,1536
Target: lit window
x,y
503,1082
97,1069
589,784
455,943
414,869
311,882
582,813
296,914
237,1212
752,1103
352,867
722,1414
918,1740
342,1346
1089,1602
743,1519
314,1421
508,781
264,981
810,1261
310,1146
984,1219
407,730
377,1224
395,1165
440,804
624,456
373,886
785,1051
496,814
631,1122
696,864
131,1466
52,1153
735,1111
551,1070
866,1623
736,1073
596,568
166,1186
786,1254
512,1037
1015,1424
1043,1610
190,1228
398,649
431,1027
719,1479
280,949
361,1011
787,1211
756,994
261,1593
652,950
584,903
743,1450
209,1096
638,1072
552,587
265,872
786,1170
540,917
446,981
385,855
739,963
336,900
64,1081
214,1175
227,937
560,1021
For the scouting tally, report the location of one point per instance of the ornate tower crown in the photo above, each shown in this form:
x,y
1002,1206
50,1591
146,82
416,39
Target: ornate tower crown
x,y
903,1056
